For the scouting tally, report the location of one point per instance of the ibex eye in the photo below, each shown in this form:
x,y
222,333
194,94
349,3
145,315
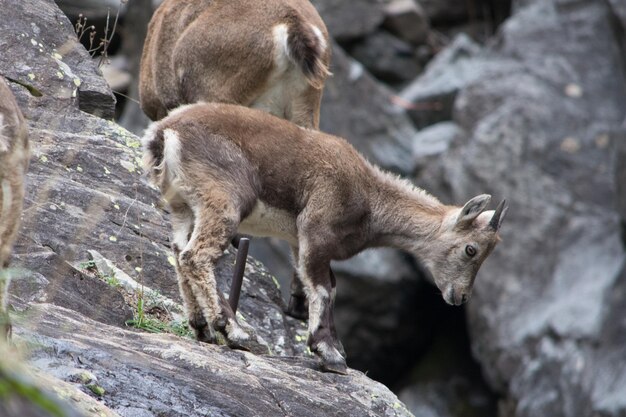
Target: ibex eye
x,y
470,250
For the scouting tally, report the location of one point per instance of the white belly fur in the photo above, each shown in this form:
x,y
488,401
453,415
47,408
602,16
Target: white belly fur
x,y
268,221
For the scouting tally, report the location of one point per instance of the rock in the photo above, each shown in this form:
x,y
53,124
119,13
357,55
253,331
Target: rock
x,y
93,9
376,127
142,374
407,20
620,177
434,141
348,20
387,57
381,312
431,96
445,381
445,11
543,318
28,395
46,58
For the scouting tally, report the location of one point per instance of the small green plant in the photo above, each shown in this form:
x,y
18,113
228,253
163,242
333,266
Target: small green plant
x,y
87,265
143,321
112,280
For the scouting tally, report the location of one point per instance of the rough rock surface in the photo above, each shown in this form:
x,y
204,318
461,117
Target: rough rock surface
x,y
143,374
375,126
363,16
433,93
85,192
43,38
407,20
382,313
387,57
540,119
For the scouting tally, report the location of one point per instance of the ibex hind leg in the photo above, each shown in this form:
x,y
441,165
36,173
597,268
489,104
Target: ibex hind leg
x,y
215,225
182,219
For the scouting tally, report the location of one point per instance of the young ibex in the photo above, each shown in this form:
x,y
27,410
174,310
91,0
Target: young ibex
x,y
272,55
226,168
14,156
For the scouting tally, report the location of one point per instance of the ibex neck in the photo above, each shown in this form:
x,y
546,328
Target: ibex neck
x,y
404,216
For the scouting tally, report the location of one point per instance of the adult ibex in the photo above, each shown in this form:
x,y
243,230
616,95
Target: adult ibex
x,y
226,169
272,55
14,156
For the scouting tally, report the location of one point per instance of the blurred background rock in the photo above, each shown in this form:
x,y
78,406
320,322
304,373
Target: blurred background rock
x,y
523,99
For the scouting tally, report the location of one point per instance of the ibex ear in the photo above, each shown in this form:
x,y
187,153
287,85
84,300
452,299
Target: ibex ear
x,y
472,209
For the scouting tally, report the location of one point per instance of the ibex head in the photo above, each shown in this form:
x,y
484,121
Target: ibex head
x,y
467,237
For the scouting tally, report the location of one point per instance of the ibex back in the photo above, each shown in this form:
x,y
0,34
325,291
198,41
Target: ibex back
x,y
225,169
270,54
14,156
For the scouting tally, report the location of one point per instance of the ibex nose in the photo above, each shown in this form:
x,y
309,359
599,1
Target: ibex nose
x,y
464,298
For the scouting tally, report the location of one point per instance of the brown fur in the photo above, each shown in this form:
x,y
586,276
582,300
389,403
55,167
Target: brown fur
x,y
14,156
228,168
224,51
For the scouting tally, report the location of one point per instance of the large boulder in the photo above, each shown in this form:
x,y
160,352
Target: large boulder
x,y
360,109
539,122
348,20
43,38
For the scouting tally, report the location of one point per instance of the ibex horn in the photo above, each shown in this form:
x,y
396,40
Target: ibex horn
x,y
498,216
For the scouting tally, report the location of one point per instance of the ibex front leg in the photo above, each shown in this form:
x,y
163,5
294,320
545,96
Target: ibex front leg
x,y
315,273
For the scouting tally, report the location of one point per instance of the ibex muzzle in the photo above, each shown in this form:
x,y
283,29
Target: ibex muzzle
x,y
226,169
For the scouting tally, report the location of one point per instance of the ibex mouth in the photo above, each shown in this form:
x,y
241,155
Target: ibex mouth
x,y
454,298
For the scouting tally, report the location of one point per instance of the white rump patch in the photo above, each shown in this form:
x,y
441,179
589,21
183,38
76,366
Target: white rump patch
x,y
281,54
171,153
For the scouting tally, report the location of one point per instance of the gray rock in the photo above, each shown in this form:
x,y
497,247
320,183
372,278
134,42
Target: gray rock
x,y
540,119
433,141
432,94
357,107
387,57
348,20
380,312
407,20
445,11
620,177
51,62
144,374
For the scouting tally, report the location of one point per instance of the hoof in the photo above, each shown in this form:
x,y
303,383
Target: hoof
x,y
204,332
332,361
337,367
298,307
206,335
